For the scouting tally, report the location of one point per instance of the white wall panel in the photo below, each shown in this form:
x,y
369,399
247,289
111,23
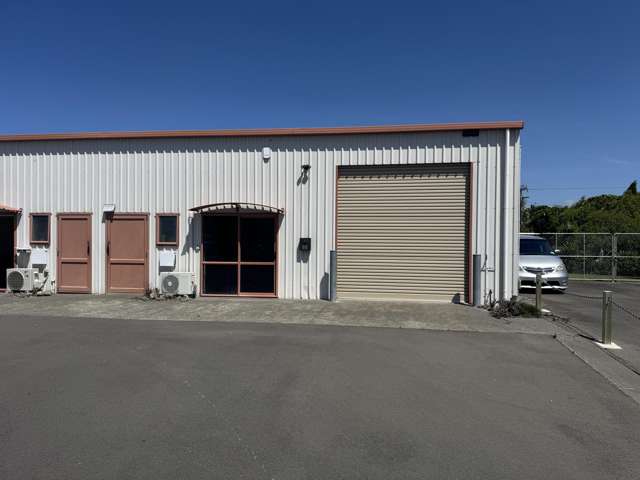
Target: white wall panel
x,y
173,175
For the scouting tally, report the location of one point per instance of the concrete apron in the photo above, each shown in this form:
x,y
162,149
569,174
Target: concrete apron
x,y
417,315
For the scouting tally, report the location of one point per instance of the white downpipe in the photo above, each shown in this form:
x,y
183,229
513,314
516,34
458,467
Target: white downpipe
x,y
496,242
505,187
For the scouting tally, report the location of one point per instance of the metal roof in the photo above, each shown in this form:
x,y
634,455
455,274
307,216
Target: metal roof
x,y
273,132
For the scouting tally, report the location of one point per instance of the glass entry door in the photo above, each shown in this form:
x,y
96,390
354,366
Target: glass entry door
x,y
239,255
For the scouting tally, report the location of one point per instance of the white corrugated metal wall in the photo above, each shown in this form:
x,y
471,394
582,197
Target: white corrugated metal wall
x,y
173,175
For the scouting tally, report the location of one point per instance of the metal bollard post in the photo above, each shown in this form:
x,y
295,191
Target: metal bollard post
x,y
333,272
539,291
606,317
477,269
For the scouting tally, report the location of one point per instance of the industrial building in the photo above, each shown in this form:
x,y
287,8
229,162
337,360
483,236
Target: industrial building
x,y
258,212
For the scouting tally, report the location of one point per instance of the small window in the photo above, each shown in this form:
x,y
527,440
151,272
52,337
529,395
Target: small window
x,y
40,227
167,229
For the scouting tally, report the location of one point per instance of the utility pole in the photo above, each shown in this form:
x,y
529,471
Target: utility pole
x,y
524,220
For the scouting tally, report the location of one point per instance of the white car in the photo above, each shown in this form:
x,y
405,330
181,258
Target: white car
x,y
536,255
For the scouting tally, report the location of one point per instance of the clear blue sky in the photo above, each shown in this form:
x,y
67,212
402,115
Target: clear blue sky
x,y
571,70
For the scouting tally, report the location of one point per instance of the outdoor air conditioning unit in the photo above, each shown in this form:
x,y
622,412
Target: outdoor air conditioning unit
x,y
176,283
24,279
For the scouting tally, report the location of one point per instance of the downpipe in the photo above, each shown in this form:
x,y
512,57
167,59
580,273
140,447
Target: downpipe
x,y
505,215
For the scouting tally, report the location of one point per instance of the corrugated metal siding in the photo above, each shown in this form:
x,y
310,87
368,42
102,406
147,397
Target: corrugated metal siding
x,y
402,232
172,175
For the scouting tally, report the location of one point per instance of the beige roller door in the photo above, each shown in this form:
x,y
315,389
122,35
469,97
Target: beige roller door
x,y
402,232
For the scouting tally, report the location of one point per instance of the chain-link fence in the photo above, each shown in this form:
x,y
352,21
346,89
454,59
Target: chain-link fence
x,y
593,256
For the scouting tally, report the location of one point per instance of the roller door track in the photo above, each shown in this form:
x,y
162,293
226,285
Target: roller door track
x,y
402,232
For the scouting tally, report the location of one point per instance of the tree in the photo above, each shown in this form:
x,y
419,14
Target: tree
x,y
632,189
602,213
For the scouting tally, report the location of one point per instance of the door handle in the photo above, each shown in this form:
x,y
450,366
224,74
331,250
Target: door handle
x,y
108,248
88,248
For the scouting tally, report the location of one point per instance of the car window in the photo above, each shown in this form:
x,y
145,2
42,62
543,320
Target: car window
x,y
535,246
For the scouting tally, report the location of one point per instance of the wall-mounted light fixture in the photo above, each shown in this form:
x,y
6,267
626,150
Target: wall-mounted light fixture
x,y
108,208
304,174
266,154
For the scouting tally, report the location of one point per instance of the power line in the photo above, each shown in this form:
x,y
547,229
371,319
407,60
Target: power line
x,y
577,188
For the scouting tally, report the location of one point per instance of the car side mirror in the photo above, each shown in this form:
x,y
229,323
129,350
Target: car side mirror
x,y
557,251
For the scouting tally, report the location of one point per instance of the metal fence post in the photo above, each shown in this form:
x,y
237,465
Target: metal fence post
x,y
584,256
539,291
614,260
606,317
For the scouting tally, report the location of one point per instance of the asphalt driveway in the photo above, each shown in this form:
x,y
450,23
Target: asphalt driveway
x,y
581,306
103,398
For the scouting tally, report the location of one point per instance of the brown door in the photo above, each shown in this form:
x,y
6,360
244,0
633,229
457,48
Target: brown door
x,y
74,253
127,241
7,247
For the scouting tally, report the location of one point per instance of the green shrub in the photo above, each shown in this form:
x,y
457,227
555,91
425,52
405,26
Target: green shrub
x,y
513,308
